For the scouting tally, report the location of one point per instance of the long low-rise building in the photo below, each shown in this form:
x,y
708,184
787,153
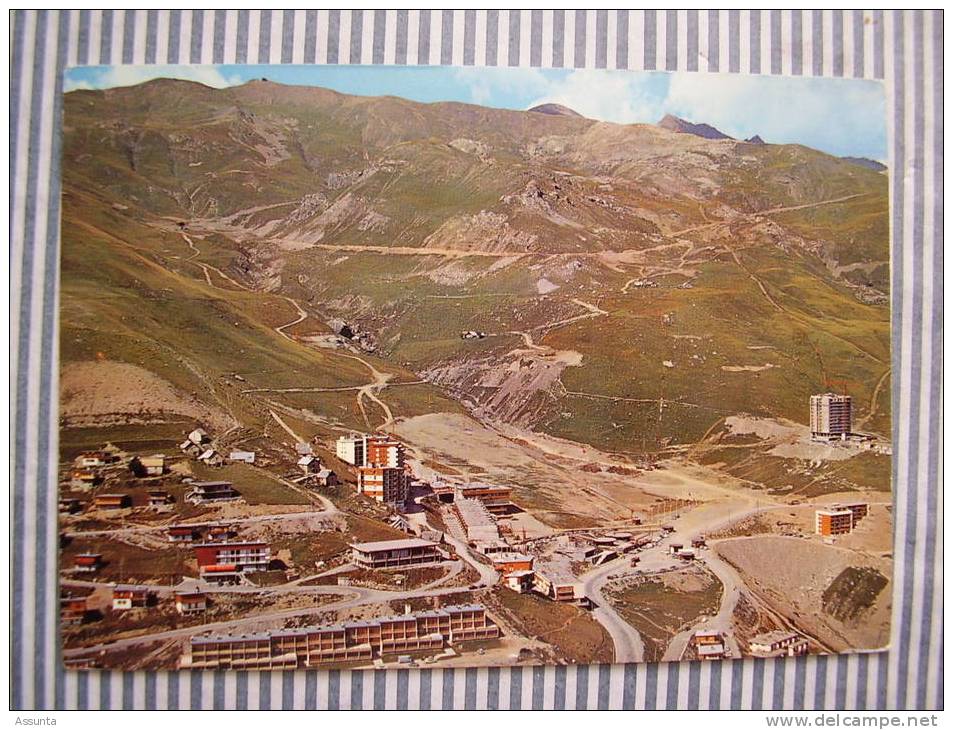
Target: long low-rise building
x,y
347,642
778,643
396,553
479,524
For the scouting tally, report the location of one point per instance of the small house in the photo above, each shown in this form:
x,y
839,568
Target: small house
x,y
309,464
87,562
93,459
674,548
191,602
72,610
183,533
189,448
158,498
325,478
303,449
84,478
211,457
698,542
111,501
148,466
245,457
198,437
69,505
203,492
128,597
221,532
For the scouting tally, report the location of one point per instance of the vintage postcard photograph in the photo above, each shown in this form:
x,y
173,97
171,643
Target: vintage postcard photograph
x,y
456,367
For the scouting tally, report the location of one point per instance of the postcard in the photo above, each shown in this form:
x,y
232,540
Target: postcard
x,y
440,367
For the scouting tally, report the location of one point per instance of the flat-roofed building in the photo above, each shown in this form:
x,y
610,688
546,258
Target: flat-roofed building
x,y
520,581
352,449
479,524
348,642
778,643
511,562
709,644
387,484
560,585
497,500
404,553
858,509
247,557
384,452
833,521
830,416
221,575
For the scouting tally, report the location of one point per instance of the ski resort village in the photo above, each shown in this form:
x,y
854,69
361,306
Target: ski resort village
x,y
356,553
353,381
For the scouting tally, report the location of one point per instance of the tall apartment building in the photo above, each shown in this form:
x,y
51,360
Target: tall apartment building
x,y
830,416
833,521
387,484
352,449
384,452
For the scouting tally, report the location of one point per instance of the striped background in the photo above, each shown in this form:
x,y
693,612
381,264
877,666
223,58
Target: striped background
x,y
904,48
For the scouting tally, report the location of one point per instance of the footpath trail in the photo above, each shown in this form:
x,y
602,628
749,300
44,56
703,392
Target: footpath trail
x,y
378,382
769,211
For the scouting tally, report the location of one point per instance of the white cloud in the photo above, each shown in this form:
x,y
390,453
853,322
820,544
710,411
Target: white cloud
x,y
612,97
827,114
111,76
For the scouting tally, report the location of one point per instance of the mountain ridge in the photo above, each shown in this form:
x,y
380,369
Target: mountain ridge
x,y
412,223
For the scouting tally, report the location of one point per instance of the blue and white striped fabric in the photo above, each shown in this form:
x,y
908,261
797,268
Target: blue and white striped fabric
x,y
904,48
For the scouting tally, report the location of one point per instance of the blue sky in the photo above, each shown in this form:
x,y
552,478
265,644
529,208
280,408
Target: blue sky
x,y
839,116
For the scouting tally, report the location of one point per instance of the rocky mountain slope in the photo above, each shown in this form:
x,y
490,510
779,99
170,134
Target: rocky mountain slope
x,y
632,286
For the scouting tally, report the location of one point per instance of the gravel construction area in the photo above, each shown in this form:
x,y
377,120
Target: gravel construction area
x,y
792,574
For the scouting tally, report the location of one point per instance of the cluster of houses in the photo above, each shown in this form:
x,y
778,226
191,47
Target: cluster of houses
x,y
89,467
710,644
310,465
89,470
75,608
